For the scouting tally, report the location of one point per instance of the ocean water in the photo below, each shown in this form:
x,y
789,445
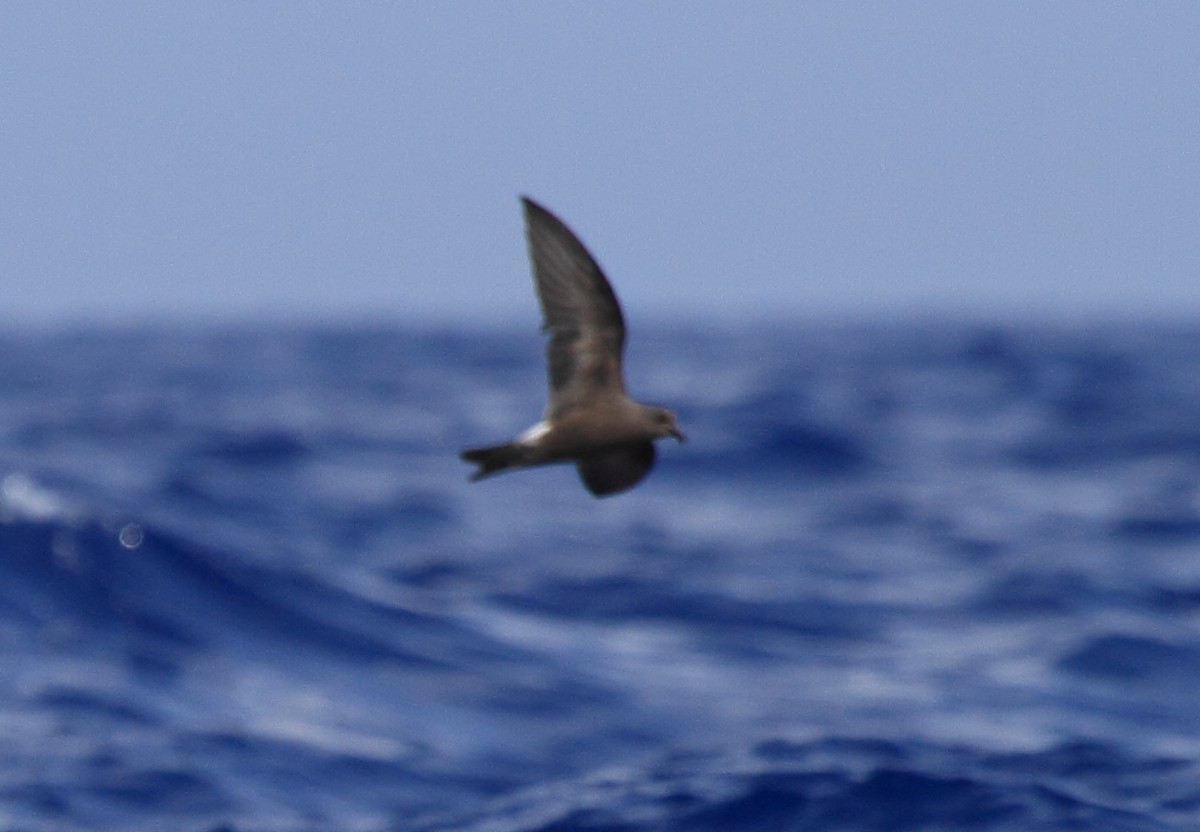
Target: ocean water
x,y
920,577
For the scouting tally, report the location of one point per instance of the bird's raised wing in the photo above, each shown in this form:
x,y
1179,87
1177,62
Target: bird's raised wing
x,y
579,310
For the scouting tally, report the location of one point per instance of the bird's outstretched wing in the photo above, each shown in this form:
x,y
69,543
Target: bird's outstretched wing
x,y
579,310
616,470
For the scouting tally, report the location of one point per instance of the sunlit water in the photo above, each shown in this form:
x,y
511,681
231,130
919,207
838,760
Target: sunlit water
x,y
943,577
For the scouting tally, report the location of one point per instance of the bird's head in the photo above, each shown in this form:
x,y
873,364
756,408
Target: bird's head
x,y
663,421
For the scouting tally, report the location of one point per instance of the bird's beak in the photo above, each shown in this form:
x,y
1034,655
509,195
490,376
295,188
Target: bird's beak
x,y
679,437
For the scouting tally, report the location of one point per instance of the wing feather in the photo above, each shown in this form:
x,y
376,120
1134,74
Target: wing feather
x,y
616,470
580,311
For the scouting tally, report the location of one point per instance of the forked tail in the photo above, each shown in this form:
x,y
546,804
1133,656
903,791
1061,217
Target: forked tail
x,y
495,459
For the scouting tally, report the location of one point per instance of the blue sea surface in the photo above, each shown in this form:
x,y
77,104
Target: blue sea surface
x,y
901,577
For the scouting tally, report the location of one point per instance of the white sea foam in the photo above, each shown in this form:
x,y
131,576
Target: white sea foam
x,y
23,499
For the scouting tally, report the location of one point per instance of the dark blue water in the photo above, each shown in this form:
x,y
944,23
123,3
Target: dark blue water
x,y
900,578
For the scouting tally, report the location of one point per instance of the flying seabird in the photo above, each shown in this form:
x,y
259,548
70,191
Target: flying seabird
x,y
590,419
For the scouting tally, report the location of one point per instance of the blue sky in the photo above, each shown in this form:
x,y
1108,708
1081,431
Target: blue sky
x,y
728,161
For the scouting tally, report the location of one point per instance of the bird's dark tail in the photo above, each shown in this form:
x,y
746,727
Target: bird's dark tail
x,y
495,459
